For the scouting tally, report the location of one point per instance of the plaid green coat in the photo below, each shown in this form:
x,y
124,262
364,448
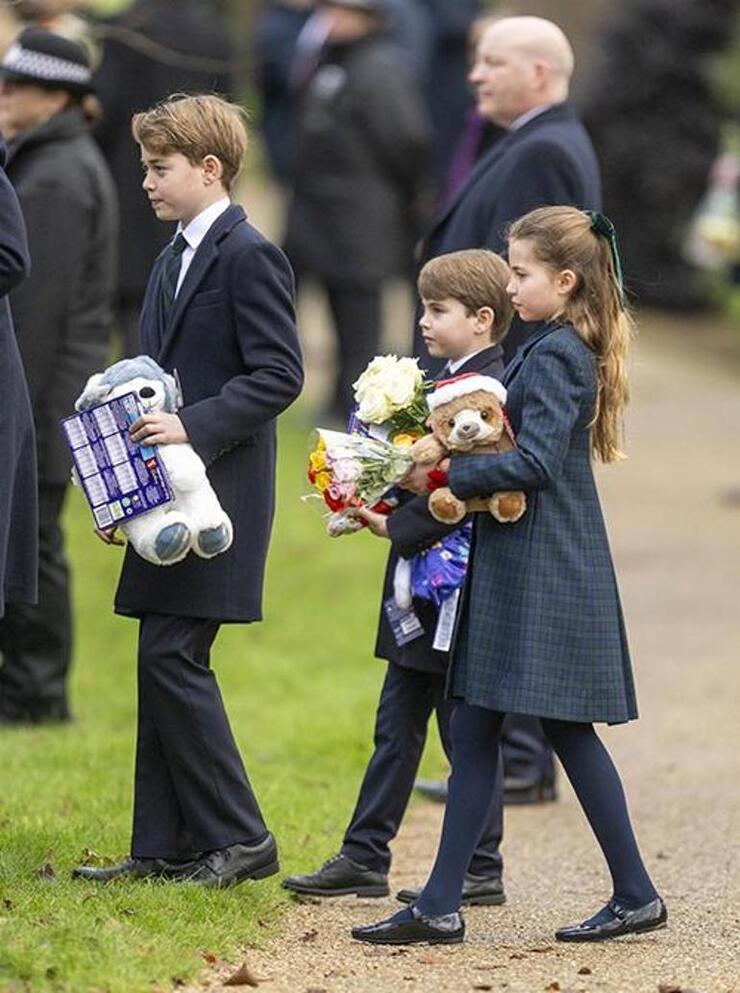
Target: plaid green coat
x,y
541,630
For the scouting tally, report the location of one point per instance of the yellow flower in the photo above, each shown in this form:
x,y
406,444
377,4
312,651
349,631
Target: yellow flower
x,y
323,479
317,460
405,439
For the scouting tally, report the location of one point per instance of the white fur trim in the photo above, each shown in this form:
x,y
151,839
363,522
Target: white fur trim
x,y
452,389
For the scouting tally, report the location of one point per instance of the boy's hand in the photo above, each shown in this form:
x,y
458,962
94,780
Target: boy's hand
x,y
416,479
158,428
378,523
109,536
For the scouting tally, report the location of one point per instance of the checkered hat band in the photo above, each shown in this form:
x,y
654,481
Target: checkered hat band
x,y
41,66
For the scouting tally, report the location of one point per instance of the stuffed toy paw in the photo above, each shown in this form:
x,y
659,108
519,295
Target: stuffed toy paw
x,y
194,520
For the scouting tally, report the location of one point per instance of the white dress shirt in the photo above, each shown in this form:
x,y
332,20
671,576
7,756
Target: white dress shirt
x,y
528,116
195,232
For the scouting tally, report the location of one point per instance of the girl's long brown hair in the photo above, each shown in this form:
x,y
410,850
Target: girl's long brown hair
x,y
563,238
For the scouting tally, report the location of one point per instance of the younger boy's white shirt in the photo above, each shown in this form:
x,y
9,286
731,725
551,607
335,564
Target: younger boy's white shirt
x,y
195,232
452,367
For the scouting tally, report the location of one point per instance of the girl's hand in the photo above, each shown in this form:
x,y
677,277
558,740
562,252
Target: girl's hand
x,y
378,523
109,536
416,479
158,428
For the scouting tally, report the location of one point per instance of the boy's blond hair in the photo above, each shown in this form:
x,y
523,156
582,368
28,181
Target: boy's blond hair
x,y
476,277
195,126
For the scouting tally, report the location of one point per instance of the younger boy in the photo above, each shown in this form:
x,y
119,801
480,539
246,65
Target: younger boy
x,y
465,317
219,310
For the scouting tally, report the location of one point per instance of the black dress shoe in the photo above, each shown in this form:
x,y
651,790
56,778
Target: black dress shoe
x,y
432,789
414,930
339,876
621,921
231,866
135,868
522,790
477,891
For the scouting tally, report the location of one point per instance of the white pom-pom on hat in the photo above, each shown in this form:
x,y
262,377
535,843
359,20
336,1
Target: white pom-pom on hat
x,y
460,386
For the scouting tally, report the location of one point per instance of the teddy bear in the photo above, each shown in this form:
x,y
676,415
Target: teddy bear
x,y
467,415
193,520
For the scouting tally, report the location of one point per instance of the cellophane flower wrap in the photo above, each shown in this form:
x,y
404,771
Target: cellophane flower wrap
x,y
353,470
391,393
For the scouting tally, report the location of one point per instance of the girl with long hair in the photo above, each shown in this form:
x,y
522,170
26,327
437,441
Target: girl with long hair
x,y
541,629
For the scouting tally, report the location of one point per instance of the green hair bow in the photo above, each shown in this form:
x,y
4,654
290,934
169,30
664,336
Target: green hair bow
x,y
601,224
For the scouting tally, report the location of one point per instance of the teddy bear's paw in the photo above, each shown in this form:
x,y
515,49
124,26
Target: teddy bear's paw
x,y
508,507
445,507
425,450
172,542
213,541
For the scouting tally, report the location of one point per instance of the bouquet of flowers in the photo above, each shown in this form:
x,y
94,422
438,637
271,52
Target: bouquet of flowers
x,y
354,470
391,393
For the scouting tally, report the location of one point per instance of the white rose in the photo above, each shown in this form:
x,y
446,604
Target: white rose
x,y
400,389
373,407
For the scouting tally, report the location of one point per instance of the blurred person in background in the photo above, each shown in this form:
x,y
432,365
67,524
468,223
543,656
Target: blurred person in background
x,y
361,157
149,51
18,489
63,318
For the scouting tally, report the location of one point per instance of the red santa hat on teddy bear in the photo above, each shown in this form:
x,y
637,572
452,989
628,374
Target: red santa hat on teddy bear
x,y
447,390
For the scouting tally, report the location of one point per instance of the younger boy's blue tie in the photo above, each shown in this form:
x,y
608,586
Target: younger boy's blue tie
x,y
170,274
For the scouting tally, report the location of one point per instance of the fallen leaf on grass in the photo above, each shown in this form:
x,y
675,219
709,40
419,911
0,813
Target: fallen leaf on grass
x,y
209,958
309,936
584,971
46,871
243,977
8,904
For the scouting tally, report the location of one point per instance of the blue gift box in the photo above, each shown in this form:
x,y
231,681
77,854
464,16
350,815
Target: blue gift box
x,y
120,479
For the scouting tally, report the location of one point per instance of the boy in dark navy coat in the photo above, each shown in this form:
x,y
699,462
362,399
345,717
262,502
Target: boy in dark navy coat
x,y
219,311
466,315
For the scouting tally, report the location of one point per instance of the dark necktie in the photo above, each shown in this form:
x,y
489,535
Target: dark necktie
x,y
169,276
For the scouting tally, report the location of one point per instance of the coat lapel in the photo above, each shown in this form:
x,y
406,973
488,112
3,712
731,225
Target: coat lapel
x,y
204,258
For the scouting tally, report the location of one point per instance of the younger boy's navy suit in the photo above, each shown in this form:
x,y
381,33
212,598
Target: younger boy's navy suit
x,y
414,688
232,338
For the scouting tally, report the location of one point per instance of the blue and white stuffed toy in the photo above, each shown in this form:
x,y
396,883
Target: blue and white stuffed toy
x,y
194,520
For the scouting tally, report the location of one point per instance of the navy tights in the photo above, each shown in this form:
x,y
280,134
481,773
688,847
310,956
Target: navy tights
x,y
475,767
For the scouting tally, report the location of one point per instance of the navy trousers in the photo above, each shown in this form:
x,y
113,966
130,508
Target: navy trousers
x,y
526,750
408,699
191,792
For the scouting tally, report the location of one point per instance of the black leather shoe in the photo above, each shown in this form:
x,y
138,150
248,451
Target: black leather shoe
x,y
520,790
432,789
135,868
231,866
415,931
339,876
477,891
622,921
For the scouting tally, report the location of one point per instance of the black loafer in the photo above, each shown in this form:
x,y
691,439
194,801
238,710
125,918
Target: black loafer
x,y
477,891
339,876
231,866
415,931
135,868
650,917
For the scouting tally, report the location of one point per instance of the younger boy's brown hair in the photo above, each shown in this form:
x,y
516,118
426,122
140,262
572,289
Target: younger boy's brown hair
x,y
477,278
195,126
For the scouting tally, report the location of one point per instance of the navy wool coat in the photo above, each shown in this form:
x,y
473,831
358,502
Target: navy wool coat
x,y
18,488
542,631
412,529
232,338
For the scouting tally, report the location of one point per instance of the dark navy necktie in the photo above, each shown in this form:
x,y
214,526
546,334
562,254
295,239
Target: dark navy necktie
x,y
169,276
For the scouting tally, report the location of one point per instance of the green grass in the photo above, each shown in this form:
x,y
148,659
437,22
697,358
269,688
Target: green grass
x,y
300,690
